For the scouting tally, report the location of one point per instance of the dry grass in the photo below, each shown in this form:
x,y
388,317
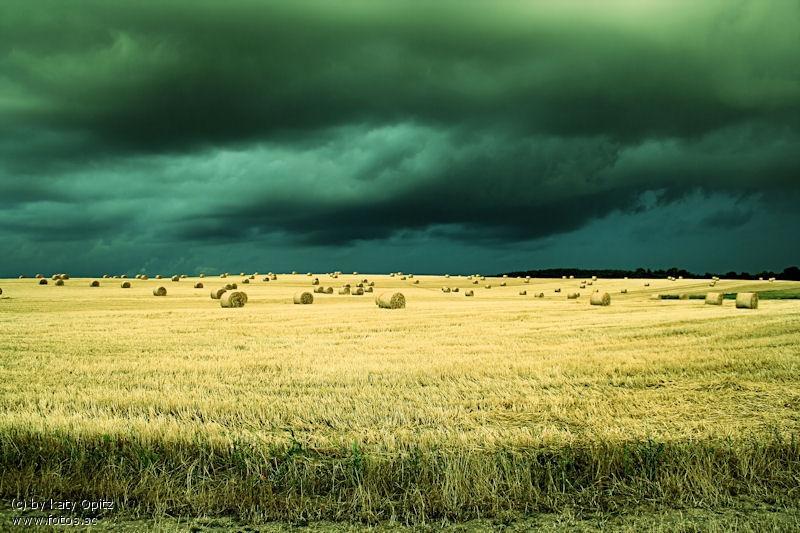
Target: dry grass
x,y
452,408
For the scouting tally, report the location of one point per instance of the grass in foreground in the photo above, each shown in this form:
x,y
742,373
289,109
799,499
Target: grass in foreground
x,y
451,409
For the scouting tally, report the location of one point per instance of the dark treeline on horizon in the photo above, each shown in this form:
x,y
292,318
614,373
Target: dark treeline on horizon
x,y
789,273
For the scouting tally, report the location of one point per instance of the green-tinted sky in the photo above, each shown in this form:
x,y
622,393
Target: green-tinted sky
x,y
419,136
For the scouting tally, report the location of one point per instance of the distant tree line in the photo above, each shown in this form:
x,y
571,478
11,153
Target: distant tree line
x,y
789,273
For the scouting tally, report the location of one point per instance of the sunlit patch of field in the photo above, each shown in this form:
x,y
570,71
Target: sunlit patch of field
x,y
454,407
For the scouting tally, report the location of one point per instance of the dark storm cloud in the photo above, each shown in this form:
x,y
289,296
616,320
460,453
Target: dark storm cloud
x,y
133,124
178,75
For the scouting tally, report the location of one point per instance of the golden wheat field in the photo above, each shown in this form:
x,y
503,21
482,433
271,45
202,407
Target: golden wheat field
x,y
452,408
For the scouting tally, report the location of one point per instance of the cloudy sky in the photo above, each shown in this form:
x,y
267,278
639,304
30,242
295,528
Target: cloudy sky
x,y
460,136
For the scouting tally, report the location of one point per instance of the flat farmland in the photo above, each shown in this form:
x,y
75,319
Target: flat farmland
x,y
452,408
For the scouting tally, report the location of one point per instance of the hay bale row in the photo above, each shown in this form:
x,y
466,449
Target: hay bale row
x,y
600,298
390,300
233,299
303,298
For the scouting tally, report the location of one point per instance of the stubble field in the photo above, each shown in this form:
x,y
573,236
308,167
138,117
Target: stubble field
x,y
454,408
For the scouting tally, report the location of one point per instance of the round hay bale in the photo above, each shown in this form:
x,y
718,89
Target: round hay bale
x,y
64,276
573,296
655,297
183,276
557,290
42,281
303,297
95,283
344,290
126,285
39,276
315,281
202,276
416,282
526,281
540,295
600,298
273,277
445,289
368,289
572,277
469,293
265,279
233,299
309,274
624,291
502,283
583,286
217,293
251,277
358,291
198,285
646,284
488,286
447,275
160,291
1,291
318,290
328,290
231,287
402,278
143,277
55,277
390,300
594,278
123,276
246,281
523,293
242,274
590,282
59,283
176,278
223,275
771,280
159,276
455,289
475,282
714,298
115,277
747,300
